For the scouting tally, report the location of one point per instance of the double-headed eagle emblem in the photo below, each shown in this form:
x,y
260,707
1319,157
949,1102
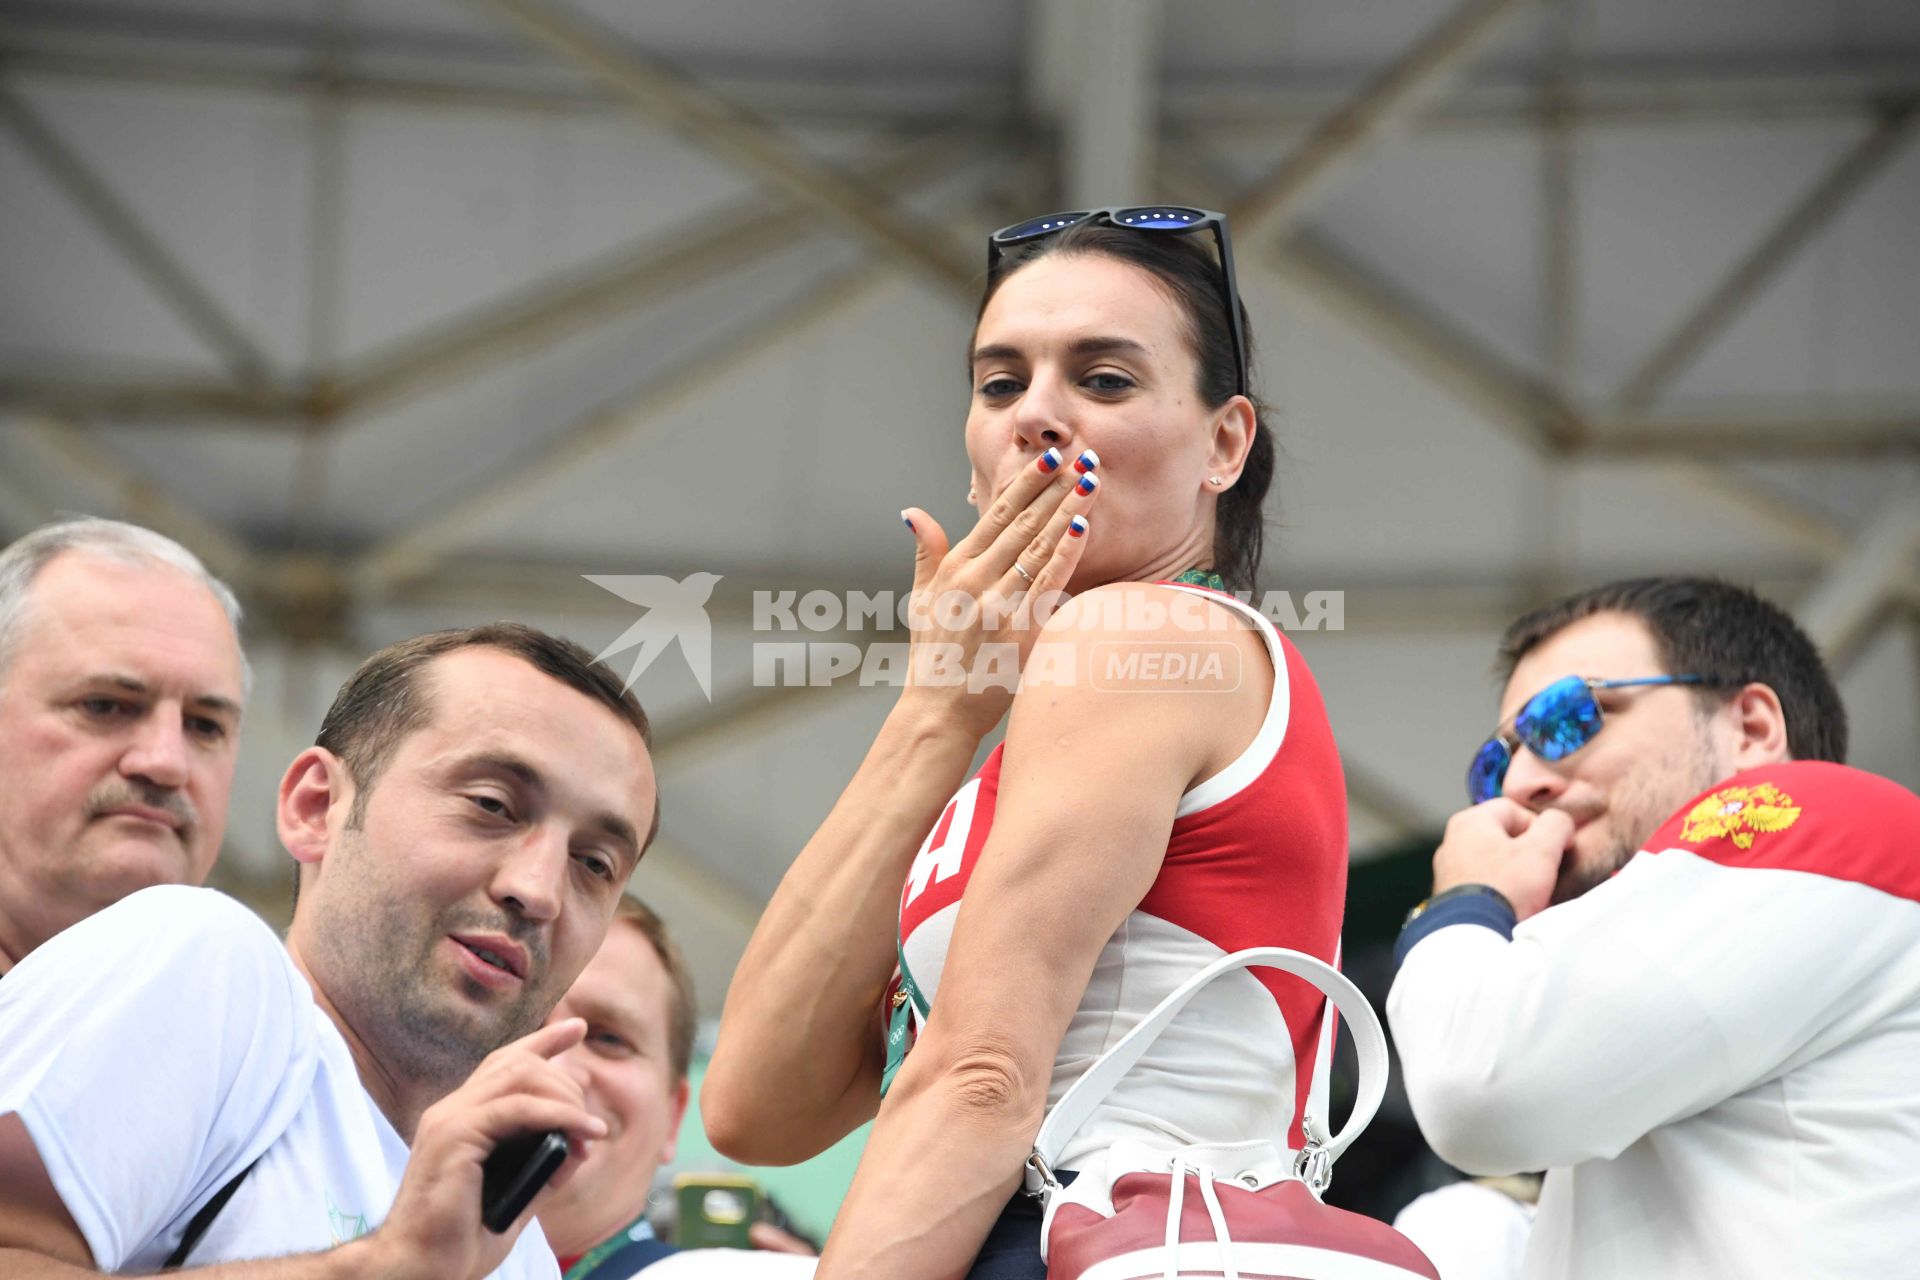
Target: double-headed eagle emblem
x,y
1741,813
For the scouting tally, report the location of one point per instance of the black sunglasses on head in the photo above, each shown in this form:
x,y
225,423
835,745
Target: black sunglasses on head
x,y
1155,219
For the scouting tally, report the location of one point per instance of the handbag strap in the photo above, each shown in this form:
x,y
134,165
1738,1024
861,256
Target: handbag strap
x,y
1092,1088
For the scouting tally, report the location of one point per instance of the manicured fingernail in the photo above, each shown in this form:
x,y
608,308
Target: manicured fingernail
x,y
1086,462
1050,460
1088,483
1077,527
906,520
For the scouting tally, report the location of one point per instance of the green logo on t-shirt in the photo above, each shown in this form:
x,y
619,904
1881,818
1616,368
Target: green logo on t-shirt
x,y
345,1226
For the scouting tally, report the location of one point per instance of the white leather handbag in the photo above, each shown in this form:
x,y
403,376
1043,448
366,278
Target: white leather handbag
x,y
1247,1210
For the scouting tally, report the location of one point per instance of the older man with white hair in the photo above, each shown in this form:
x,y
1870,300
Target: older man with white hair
x,y
121,688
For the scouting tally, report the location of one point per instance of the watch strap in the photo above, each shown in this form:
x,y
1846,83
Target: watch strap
x,y
1479,904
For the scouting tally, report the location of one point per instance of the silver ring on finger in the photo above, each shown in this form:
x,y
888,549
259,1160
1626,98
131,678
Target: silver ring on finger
x,y
1022,571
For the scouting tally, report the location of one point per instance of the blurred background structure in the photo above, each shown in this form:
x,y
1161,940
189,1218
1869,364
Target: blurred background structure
x,y
410,313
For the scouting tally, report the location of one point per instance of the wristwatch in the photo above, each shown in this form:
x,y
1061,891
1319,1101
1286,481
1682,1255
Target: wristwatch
x,y
1458,891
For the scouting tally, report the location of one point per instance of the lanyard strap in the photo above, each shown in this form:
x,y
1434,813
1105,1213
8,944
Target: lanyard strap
x,y
909,1002
921,1005
1201,578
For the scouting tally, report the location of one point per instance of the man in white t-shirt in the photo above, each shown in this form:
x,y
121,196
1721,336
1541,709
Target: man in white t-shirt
x,y
121,686
463,826
636,998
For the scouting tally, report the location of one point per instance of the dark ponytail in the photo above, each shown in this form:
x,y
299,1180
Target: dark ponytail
x,y
1184,268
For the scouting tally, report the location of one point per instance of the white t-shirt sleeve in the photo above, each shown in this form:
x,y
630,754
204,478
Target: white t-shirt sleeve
x,y
153,1051
1676,984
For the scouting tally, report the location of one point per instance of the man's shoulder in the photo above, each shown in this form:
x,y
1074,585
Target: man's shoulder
x,y
152,1050
204,915
162,927
185,956
173,925
1807,815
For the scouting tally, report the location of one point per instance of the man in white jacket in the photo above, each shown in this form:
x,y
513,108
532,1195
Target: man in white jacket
x,y
1673,953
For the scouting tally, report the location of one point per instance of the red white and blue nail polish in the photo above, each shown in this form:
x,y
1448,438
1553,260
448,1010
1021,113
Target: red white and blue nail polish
x,y
1077,527
1088,483
1050,461
1086,462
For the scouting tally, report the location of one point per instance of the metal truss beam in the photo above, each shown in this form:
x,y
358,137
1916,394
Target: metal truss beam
x,y
708,245
73,454
189,397
1093,72
1313,269
1559,204
729,131
415,551
1724,303
484,87
1635,94
1847,605
1334,283
129,44
142,250
1761,434
1399,93
668,263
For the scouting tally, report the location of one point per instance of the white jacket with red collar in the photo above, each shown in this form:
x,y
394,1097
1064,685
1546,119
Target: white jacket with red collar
x,y
1716,1053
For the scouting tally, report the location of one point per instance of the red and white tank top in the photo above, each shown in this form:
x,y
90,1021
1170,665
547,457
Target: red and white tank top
x,y
1257,857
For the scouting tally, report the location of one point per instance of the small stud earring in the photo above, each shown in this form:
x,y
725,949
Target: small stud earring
x,y
1215,481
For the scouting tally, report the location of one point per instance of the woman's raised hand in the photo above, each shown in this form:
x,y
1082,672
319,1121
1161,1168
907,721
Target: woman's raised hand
x,y
977,607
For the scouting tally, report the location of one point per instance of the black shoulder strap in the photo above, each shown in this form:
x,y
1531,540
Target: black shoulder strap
x,y
204,1219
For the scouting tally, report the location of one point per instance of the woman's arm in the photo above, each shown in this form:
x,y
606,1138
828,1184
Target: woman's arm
x,y
797,1064
798,1061
1089,784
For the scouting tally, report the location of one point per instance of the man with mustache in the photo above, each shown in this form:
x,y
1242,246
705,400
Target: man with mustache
x,y
1673,952
463,826
121,687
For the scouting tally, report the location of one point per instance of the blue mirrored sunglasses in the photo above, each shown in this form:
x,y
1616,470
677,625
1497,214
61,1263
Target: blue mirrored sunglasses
x,y
1553,724
1163,218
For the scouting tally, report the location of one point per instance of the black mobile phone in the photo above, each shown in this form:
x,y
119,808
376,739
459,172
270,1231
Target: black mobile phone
x,y
513,1175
